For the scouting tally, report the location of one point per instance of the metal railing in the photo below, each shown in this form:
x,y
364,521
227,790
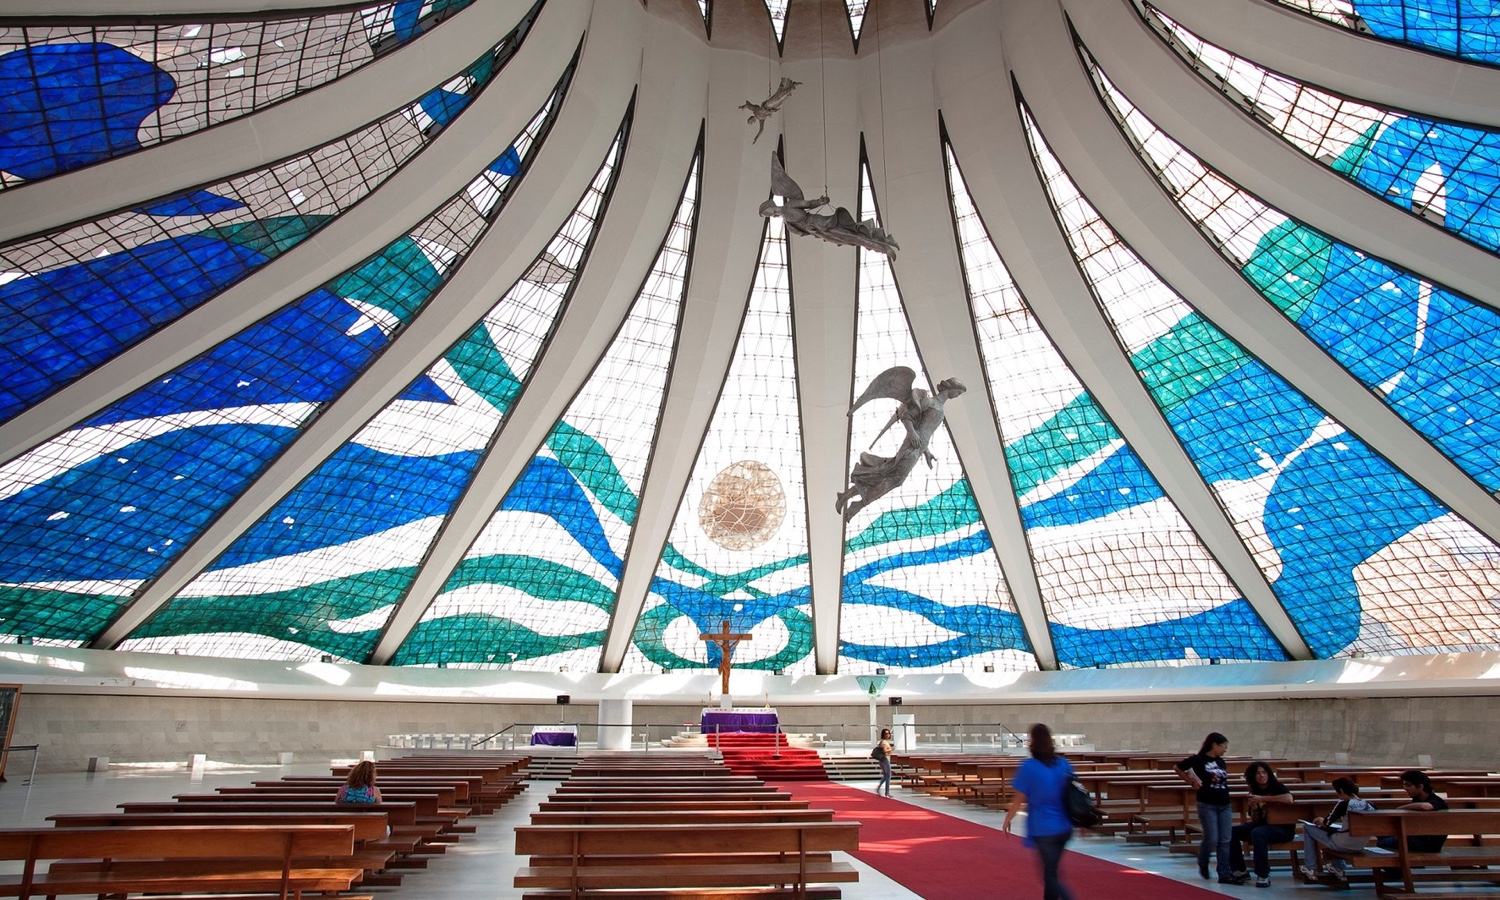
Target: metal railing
x,y
967,736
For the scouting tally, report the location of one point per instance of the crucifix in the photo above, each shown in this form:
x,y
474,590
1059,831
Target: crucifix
x,y
727,642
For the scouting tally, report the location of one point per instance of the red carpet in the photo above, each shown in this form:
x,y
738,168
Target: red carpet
x,y
767,757
944,858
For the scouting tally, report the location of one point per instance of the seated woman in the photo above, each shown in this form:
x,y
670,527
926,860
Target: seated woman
x,y
360,787
1264,789
1332,832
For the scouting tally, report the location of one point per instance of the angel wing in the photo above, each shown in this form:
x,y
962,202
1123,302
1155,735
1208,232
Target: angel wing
x,y
782,92
892,384
782,184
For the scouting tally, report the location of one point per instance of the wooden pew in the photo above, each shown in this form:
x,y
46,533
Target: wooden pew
x,y
1459,860
687,814
469,794
238,859
502,778
373,849
409,834
649,858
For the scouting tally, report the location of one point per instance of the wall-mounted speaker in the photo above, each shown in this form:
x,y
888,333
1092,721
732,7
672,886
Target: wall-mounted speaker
x,y
895,701
563,699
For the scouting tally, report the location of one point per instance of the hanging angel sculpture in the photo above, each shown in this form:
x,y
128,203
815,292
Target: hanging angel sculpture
x,y
920,414
760,112
838,228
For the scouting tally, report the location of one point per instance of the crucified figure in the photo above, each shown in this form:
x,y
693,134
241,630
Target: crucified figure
x,y
727,642
760,112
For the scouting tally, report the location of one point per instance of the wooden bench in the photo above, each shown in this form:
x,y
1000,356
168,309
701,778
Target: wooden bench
x,y
776,858
373,849
1459,860
500,779
408,835
228,860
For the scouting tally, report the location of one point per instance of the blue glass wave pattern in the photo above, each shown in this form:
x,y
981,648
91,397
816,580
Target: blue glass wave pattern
x,y
320,572
80,296
922,587
1425,351
544,573
72,95
1466,29
113,501
737,549
1444,171
1334,527
1124,578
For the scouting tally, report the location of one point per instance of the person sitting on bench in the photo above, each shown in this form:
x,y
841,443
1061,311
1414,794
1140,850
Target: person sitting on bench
x,y
360,787
1419,788
1332,831
1264,788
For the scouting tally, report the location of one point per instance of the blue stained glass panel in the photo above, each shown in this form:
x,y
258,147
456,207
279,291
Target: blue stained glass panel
x,y
63,323
63,106
1343,537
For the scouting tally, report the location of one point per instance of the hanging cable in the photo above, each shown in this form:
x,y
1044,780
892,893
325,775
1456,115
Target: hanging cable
x,y
823,75
885,167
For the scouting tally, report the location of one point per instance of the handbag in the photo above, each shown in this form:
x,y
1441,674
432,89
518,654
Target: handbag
x,y
878,751
1080,806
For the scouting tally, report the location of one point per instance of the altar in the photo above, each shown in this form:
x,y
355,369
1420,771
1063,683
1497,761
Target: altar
x,y
758,719
554,735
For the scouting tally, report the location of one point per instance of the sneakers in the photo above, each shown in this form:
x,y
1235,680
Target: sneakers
x,y
1263,881
1233,879
1335,871
1309,873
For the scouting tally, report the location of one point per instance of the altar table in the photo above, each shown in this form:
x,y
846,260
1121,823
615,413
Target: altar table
x,y
760,719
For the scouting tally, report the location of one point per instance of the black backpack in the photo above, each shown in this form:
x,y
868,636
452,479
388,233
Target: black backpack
x,y
1080,806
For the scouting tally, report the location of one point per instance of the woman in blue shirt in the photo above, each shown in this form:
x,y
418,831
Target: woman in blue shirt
x,y
360,787
1039,784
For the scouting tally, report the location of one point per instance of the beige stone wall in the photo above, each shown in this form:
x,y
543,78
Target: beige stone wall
x,y
71,728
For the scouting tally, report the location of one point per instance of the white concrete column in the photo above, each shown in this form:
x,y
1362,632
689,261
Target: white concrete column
x,y
615,722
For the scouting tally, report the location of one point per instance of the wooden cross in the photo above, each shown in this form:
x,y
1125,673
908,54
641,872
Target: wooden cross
x,y
727,642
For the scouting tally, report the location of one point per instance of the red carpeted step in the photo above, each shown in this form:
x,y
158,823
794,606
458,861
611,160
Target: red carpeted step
x,y
767,757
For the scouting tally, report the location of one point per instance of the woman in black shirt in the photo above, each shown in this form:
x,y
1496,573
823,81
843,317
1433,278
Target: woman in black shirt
x,y
1204,770
1264,789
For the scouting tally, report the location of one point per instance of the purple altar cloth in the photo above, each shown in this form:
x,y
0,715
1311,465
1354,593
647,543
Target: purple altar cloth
x,y
726,721
554,738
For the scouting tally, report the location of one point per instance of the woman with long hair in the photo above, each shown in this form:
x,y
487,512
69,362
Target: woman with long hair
x,y
1039,784
360,787
1265,789
1332,832
883,750
1205,771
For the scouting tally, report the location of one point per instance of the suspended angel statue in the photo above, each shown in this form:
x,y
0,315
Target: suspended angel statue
x,y
839,228
920,414
760,112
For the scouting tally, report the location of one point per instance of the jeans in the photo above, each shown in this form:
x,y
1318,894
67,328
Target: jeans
x,y
1217,822
1261,837
1314,837
1050,848
885,776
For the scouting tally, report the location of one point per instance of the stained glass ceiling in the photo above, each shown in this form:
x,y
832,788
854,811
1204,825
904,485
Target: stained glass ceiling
x,y
510,371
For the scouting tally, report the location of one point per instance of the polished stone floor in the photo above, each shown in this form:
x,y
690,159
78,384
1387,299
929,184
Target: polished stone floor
x,y
483,864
